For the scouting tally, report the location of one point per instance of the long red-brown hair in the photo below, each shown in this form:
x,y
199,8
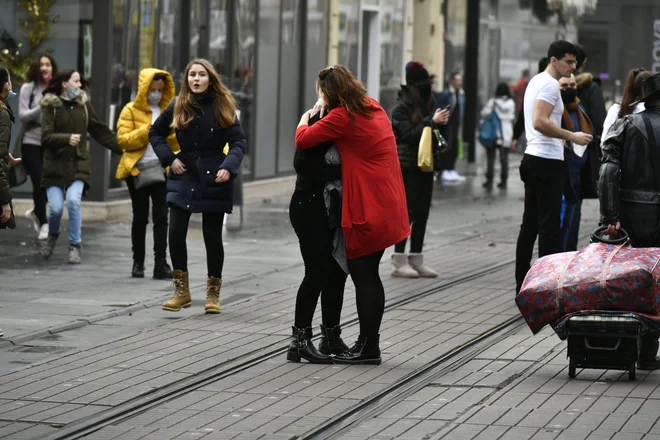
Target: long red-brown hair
x,y
340,88
224,106
632,90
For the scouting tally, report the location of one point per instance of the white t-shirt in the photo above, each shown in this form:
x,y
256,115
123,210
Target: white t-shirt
x,y
150,154
543,86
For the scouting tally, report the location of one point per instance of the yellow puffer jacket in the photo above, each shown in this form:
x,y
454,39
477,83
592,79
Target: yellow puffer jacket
x,y
135,120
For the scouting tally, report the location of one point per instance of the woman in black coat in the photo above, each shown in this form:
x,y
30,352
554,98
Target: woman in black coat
x,y
201,176
415,110
324,276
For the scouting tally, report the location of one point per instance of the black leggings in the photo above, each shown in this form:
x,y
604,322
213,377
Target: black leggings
x,y
323,275
212,229
419,192
33,158
369,292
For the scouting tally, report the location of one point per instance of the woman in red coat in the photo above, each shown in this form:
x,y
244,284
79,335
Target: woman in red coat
x,y
374,211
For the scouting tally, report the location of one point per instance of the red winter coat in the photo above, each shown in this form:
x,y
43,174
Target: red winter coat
x,y
374,211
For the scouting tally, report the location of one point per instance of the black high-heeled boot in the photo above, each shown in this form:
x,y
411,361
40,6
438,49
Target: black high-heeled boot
x,y
365,351
331,342
301,346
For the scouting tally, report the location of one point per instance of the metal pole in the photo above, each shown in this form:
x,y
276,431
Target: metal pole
x,y
471,78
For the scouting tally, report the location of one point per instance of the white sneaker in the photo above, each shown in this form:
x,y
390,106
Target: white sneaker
x,y
456,177
43,232
35,220
446,176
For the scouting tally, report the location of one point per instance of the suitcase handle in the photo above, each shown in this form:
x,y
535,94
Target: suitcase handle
x,y
590,347
598,236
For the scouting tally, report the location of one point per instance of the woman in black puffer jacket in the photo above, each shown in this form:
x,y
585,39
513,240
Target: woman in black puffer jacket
x,y
415,110
201,176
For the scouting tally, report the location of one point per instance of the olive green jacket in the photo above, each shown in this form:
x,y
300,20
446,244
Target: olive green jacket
x,y
60,118
6,119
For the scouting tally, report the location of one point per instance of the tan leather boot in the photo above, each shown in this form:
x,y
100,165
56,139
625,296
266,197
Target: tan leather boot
x,y
213,295
181,296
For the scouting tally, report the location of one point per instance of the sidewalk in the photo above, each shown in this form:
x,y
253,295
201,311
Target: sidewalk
x,y
109,362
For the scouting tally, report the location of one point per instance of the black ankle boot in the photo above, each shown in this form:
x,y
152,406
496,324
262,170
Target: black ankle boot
x,y
331,342
365,351
301,346
138,270
162,270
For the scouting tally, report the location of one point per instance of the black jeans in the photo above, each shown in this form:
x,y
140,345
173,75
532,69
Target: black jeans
x,y
369,292
140,203
448,158
323,275
544,182
212,230
419,192
33,158
504,163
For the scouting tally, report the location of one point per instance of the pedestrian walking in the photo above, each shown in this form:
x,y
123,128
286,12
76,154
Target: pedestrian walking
x,y
374,213
542,167
414,111
452,98
632,92
141,168
629,185
505,111
315,211
40,73
6,119
574,119
201,176
66,118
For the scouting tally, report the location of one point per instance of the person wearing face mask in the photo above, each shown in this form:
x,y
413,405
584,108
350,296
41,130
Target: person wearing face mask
x,y
201,175
66,118
415,110
155,91
41,71
574,119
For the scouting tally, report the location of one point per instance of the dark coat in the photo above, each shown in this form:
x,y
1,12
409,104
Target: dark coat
x,y
312,169
203,153
593,102
59,120
6,119
406,132
588,185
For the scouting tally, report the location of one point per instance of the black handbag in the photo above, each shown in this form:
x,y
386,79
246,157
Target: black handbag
x,y
151,173
439,148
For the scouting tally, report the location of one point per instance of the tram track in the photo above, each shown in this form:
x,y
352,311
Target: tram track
x,y
85,426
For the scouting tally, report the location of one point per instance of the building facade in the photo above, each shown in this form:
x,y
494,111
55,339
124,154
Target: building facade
x,y
269,52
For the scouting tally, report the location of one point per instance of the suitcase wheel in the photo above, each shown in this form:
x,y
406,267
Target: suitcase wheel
x,y
571,368
631,372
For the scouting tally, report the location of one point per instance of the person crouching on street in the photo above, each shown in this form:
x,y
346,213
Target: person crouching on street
x,y
66,118
201,176
141,168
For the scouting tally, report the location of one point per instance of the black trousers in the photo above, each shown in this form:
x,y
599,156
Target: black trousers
x,y
212,230
33,158
369,292
544,182
448,158
419,192
140,203
504,163
323,275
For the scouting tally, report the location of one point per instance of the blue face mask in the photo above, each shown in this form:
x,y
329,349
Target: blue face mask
x,y
11,94
73,93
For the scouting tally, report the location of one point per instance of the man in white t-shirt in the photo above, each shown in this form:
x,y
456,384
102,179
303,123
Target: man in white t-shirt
x,y
542,168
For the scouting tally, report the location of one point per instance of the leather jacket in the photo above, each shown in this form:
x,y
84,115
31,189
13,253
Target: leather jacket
x,y
627,173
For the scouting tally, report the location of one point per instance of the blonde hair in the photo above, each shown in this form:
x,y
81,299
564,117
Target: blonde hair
x,y
224,105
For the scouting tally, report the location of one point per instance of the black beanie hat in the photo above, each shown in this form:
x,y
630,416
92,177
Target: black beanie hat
x,y
417,75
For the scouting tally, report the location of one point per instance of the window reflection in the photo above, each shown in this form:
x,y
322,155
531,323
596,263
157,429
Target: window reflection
x,y
349,16
392,25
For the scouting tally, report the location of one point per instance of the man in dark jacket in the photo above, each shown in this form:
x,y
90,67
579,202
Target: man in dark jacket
x,y
629,186
590,94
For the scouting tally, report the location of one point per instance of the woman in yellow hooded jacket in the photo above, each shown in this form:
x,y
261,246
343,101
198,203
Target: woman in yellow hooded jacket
x,y
141,169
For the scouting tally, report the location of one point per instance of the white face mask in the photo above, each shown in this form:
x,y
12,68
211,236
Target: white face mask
x,y
154,97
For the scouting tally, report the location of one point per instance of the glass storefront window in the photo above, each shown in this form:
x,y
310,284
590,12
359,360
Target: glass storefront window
x,y
392,19
349,20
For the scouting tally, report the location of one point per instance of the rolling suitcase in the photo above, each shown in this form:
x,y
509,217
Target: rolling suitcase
x,y
603,342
